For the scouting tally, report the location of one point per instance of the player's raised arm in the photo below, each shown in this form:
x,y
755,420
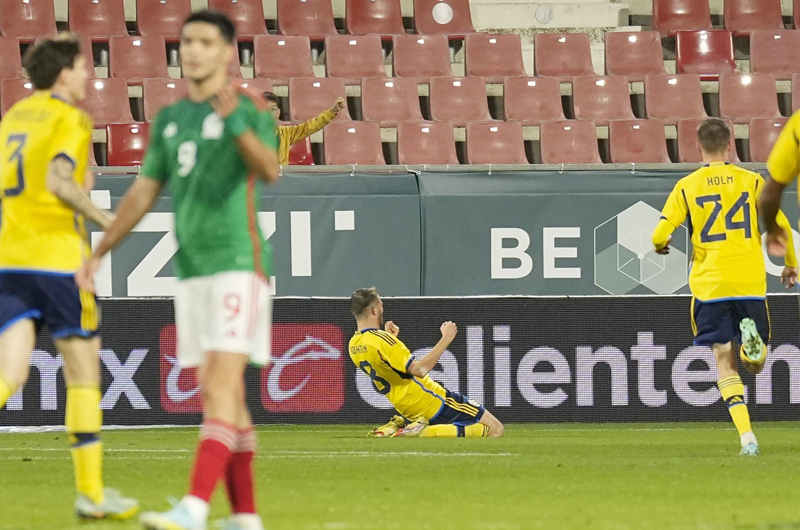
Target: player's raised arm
x,y
422,367
61,183
783,166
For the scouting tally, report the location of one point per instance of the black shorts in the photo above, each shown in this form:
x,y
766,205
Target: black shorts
x,y
718,322
458,410
48,298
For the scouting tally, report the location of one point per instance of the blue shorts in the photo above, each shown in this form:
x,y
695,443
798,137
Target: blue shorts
x,y
718,322
48,298
458,410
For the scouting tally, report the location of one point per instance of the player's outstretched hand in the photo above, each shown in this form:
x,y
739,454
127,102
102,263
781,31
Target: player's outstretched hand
x,y
225,102
338,105
665,249
84,278
392,328
449,330
776,242
789,277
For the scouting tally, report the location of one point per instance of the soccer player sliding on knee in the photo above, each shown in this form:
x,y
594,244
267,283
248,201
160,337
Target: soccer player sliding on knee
x,y
426,408
728,277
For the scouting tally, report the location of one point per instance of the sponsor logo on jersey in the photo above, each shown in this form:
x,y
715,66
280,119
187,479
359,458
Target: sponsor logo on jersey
x,y
213,126
171,130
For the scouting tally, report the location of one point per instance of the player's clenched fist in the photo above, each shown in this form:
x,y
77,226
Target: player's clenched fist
x,y
392,328
449,330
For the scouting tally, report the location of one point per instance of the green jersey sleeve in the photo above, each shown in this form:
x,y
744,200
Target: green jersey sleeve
x,y
155,160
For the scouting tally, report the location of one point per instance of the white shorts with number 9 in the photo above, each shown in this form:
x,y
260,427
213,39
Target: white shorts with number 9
x,y
227,312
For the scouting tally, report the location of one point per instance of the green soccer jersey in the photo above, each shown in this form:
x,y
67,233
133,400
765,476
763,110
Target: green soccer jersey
x,y
214,196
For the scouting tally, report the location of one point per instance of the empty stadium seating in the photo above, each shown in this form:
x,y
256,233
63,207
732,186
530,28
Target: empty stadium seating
x,y
689,148
13,90
744,16
747,96
313,18
532,100
638,142
259,86
126,143
706,53
459,100
421,57
569,142
356,142
300,153
674,97
280,58
562,55
107,102
493,57
795,92
601,99
353,57
671,16
796,14
763,134
309,96
137,58
443,17
158,93
248,15
426,143
162,18
11,62
390,101
634,54
775,52
97,19
27,19
495,143
374,17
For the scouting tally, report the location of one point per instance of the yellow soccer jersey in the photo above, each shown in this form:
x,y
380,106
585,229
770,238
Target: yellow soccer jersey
x,y
720,201
784,160
38,232
385,359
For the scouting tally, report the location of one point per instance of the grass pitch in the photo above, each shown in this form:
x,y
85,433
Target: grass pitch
x,y
555,477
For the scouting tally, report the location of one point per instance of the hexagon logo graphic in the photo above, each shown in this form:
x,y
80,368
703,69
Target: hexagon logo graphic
x,y
624,258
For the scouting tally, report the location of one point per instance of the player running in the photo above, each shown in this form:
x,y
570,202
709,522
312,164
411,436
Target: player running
x,y
727,276
431,410
44,151
211,149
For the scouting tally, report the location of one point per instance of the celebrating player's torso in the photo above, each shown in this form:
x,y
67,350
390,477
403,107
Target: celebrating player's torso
x,y
38,232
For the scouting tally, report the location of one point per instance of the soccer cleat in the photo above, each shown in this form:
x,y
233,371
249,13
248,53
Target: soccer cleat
x,y
412,429
114,506
384,431
752,345
235,522
750,449
178,518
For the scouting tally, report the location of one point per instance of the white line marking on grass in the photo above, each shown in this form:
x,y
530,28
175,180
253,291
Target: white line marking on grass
x,y
274,454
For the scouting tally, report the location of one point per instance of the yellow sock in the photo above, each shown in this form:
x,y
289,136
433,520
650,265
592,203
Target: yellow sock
x,y
5,391
83,421
732,391
477,430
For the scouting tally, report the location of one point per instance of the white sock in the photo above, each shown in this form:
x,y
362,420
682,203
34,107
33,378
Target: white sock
x,y
197,507
748,438
248,521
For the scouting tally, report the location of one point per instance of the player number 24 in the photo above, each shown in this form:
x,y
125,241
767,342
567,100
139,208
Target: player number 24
x,y
740,205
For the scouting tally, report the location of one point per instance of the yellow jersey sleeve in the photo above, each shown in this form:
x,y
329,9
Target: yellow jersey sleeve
x,y
784,160
676,208
72,138
397,355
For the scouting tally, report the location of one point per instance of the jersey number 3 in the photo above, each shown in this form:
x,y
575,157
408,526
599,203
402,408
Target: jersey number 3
x,y
380,384
16,158
740,205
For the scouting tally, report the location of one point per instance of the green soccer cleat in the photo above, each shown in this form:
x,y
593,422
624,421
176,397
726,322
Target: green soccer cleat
x,y
114,506
412,429
752,345
750,449
385,431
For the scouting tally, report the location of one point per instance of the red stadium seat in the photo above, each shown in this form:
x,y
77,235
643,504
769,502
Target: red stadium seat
x,y
532,100
775,52
259,86
674,97
744,16
634,54
459,99
137,58
357,142
248,15
97,19
429,143
796,14
127,143
300,153
747,96
495,143
601,99
308,97
569,142
313,18
638,142
688,146
11,63
281,58
107,102
706,53
390,101
162,18
13,90
443,17
374,17
159,93
564,55
671,16
795,92
494,57
27,19
763,135
353,57
421,57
